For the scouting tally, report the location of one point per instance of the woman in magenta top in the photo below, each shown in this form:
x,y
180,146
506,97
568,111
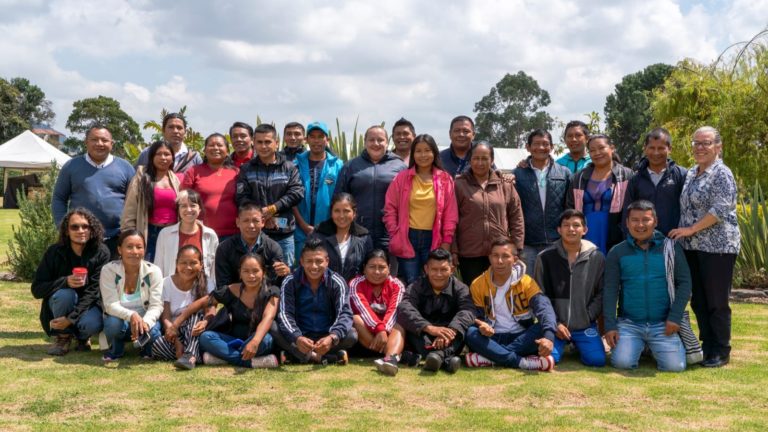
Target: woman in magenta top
x,y
150,203
214,180
420,210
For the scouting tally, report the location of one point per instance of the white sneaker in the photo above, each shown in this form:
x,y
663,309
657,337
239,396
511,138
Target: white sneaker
x,y
476,360
538,363
265,362
212,360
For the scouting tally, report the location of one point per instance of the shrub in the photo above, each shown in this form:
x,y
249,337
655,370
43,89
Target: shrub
x,y
36,231
751,263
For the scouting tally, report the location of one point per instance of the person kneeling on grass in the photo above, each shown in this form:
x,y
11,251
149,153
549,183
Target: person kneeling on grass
x,y
315,319
375,296
435,312
67,280
239,335
132,290
185,295
635,270
507,302
571,275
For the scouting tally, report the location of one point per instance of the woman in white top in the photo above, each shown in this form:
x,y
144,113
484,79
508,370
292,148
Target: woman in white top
x,y
189,231
131,289
185,296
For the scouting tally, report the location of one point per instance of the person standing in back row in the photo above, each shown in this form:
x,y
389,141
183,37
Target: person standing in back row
x,y
455,158
174,132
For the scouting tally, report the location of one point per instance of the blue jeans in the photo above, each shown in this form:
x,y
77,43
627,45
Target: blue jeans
x,y
504,349
410,268
217,344
288,247
118,332
667,350
529,256
588,342
63,302
153,231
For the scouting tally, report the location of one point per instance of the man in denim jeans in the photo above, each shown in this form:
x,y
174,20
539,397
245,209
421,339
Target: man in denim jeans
x,y
635,270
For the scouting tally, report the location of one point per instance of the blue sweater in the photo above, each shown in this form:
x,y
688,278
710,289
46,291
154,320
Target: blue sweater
x,y
102,191
637,278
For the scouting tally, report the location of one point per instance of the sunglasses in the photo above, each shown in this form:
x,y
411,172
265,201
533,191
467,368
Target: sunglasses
x,y
78,227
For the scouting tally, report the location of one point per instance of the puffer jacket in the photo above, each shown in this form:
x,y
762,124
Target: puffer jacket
x,y
396,212
541,224
486,213
368,182
576,292
275,184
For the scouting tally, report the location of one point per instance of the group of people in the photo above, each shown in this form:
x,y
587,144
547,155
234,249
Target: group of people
x,y
257,257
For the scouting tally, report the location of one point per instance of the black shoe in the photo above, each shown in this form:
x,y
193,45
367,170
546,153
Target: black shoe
x,y
452,364
410,359
716,361
433,362
342,358
184,362
388,366
83,345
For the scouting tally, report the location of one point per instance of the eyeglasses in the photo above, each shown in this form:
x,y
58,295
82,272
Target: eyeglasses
x,y
702,143
78,227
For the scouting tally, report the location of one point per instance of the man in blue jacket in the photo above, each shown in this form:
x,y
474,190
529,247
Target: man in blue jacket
x,y
636,276
658,180
315,319
271,182
542,185
319,169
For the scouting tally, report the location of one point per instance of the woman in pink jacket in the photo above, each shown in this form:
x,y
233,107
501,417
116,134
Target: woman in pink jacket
x,y
420,210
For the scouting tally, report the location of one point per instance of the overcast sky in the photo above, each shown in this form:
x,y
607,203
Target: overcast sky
x,y
376,60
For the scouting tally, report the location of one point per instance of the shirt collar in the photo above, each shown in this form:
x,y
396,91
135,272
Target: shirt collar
x,y
183,150
104,164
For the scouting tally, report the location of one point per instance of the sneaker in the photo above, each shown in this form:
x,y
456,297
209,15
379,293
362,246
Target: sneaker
x,y
342,358
452,364
185,362
538,363
60,345
476,360
433,362
212,360
387,365
265,362
83,345
107,358
410,358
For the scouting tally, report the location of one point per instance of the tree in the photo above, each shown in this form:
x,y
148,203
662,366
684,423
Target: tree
x,y
627,110
106,112
511,110
22,105
731,95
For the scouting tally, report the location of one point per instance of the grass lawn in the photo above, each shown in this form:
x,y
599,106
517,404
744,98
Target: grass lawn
x,y
8,217
76,392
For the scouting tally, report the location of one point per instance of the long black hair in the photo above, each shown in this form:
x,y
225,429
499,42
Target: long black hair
x,y
95,227
227,160
147,184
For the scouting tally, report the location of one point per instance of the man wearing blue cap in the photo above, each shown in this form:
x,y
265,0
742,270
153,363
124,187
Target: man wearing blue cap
x,y
318,169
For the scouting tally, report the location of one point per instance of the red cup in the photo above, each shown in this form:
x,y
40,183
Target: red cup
x,y
80,272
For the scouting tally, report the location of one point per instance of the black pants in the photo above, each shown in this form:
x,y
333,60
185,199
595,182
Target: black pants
x,y
472,267
419,343
712,274
112,246
348,342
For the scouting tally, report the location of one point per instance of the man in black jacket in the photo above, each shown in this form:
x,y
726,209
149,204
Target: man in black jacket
x,y
250,240
67,280
436,312
273,183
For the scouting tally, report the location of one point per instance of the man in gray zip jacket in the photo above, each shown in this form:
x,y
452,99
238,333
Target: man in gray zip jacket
x,y
570,273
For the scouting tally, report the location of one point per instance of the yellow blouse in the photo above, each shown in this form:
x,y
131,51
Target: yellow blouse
x,y
421,204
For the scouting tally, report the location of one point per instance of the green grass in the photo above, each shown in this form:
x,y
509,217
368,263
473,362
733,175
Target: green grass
x,y
76,392
8,217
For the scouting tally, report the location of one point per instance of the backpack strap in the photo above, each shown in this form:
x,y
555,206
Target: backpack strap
x,y
669,265
188,158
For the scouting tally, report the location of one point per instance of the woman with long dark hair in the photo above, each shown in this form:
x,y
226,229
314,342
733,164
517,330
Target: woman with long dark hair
x,y
420,210
150,203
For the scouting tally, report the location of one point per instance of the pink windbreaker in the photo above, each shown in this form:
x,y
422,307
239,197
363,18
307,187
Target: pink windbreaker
x,y
396,211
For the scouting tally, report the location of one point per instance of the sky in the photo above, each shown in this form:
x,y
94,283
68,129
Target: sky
x,y
364,61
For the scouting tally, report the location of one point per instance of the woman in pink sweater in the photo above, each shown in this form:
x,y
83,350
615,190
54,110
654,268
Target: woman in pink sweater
x,y
420,210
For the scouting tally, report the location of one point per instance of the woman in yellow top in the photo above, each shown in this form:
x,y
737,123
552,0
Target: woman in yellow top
x,y
420,210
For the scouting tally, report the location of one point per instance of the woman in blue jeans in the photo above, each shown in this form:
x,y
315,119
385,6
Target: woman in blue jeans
x,y
249,308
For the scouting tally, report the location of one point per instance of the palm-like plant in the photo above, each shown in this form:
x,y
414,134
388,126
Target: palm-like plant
x,y
751,263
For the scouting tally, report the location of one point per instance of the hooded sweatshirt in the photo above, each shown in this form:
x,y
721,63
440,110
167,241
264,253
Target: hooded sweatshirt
x,y
576,292
524,300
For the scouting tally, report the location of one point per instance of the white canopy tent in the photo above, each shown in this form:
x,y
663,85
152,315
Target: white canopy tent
x,y
28,151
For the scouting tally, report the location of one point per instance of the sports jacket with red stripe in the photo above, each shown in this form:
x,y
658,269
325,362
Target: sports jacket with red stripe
x,y
377,314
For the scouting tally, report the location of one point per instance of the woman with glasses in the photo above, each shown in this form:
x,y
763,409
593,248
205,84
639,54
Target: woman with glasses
x,y
709,233
598,191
